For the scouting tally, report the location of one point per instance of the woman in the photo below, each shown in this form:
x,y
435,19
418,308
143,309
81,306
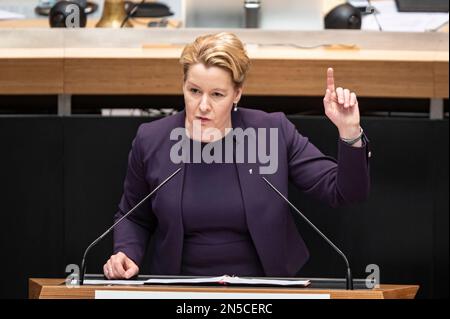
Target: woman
x,y
221,218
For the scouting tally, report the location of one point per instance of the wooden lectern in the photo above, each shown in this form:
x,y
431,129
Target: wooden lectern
x,y
56,289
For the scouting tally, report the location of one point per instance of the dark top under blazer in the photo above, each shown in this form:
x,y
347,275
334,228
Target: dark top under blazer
x,y
280,247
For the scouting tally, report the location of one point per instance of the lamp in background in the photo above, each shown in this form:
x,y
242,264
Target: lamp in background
x,y
114,15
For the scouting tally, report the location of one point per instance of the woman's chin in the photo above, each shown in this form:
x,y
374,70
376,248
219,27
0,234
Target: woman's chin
x,y
207,138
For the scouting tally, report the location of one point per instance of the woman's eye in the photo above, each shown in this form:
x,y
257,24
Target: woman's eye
x,y
194,91
218,94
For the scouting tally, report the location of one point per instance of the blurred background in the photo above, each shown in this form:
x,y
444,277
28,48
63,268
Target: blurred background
x,y
71,99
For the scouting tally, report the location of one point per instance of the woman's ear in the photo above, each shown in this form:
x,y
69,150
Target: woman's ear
x,y
238,94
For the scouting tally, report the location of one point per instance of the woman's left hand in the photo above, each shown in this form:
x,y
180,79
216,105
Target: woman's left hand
x,y
341,107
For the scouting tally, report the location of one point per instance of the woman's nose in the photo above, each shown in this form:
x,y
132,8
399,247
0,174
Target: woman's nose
x,y
204,104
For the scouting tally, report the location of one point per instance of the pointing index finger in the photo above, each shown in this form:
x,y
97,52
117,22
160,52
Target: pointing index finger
x,y
330,79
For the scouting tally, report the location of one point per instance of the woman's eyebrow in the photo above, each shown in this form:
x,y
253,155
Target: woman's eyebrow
x,y
215,89
193,84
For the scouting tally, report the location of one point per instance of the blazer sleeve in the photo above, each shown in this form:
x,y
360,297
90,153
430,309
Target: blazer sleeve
x,y
132,234
336,182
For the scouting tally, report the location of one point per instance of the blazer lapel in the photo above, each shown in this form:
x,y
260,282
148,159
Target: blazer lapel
x,y
263,215
169,203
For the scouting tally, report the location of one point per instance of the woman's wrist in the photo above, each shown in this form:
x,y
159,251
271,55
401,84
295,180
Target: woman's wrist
x,y
354,141
350,133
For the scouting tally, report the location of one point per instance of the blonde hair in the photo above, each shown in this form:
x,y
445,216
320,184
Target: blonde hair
x,y
223,50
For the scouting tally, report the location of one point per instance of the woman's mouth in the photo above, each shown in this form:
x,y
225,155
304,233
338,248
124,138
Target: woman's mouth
x,y
203,120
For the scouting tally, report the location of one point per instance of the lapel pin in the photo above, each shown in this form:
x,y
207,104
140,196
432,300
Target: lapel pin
x,y
250,171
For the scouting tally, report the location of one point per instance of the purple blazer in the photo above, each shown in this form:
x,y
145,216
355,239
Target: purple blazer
x,y
281,249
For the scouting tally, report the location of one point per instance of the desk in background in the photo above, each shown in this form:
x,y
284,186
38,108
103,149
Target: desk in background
x,y
107,61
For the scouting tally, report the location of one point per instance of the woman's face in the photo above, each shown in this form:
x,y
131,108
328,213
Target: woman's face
x,y
209,94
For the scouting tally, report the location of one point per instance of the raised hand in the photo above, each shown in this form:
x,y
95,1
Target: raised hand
x,y
341,107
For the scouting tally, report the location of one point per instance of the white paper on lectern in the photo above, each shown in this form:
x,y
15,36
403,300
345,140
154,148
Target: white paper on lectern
x,y
114,282
230,280
225,279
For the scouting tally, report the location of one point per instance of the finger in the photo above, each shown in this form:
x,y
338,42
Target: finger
x,y
131,272
356,107
131,268
119,271
330,79
352,99
105,271
110,269
346,98
129,263
327,98
340,95
334,97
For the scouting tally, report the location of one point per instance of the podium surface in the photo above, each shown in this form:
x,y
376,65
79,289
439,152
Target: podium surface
x,y
56,289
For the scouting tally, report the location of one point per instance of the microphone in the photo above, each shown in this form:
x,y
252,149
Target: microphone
x,y
348,276
83,262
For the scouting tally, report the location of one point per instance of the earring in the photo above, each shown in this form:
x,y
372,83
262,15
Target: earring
x,y
235,107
